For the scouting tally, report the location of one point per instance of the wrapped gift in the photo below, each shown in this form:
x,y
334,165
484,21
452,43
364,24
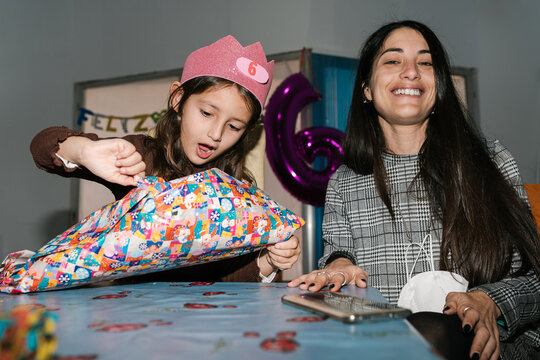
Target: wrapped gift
x,y
158,225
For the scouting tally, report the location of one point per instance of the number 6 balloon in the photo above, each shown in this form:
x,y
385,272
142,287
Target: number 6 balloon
x,y
292,155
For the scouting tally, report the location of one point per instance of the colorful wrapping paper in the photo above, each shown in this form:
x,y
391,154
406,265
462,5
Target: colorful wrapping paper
x,y
159,225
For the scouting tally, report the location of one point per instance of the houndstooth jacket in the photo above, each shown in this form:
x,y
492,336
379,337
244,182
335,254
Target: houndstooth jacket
x,y
358,225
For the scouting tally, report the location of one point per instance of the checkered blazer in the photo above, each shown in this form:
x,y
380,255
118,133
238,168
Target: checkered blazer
x,y
357,223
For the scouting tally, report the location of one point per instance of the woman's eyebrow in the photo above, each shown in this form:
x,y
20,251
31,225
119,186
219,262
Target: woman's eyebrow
x,y
400,50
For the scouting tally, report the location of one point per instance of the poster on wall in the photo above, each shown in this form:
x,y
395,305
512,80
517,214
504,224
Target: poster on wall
x,y
116,110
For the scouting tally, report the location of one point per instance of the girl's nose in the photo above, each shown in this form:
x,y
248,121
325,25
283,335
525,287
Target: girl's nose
x,y
215,132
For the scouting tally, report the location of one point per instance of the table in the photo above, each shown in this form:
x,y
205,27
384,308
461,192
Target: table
x,y
212,321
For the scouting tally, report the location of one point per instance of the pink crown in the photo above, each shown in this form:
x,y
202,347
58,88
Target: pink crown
x,y
227,59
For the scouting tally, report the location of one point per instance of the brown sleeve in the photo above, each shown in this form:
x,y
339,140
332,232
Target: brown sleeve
x,y
242,268
46,143
238,269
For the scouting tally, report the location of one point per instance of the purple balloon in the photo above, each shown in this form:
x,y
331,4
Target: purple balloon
x,y
292,155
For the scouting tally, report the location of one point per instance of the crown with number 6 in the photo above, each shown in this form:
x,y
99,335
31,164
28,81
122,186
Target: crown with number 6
x,y
228,59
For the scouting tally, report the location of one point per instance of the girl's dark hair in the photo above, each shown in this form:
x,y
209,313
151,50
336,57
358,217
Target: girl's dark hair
x,y
484,221
171,162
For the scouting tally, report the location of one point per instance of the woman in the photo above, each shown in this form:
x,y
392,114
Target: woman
x,y
419,176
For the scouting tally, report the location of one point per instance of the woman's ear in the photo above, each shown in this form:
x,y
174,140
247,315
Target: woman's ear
x,y
176,90
367,92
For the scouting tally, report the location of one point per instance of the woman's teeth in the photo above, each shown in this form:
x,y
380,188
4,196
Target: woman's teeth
x,y
414,92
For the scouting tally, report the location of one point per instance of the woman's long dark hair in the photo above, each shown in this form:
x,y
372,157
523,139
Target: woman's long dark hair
x,y
170,160
483,219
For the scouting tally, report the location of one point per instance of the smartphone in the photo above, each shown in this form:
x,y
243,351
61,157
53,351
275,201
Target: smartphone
x,y
347,308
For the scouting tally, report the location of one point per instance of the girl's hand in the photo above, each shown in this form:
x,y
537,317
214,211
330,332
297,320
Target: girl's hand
x,y
284,255
280,256
478,313
114,160
338,273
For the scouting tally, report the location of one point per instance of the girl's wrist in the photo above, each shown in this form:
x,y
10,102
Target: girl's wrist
x,y
265,268
84,150
266,275
73,149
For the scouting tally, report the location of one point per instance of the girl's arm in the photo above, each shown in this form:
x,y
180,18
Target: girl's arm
x,y
45,146
111,162
114,160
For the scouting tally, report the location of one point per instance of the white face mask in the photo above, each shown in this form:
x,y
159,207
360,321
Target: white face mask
x,y
427,291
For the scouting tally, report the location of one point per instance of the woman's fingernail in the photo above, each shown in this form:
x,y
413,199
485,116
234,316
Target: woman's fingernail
x,y
467,328
475,356
446,308
331,286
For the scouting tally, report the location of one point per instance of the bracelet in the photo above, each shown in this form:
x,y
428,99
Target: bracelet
x,y
271,276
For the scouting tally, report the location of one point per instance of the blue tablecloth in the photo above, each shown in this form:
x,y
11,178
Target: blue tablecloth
x,y
212,321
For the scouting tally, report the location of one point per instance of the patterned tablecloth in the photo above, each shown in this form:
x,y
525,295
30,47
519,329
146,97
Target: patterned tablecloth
x,y
211,321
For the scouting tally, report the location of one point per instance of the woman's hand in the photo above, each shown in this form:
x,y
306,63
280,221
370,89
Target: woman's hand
x,y
114,160
479,313
338,273
280,256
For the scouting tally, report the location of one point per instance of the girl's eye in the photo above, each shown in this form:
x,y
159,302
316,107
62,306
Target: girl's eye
x,y
426,63
234,128
205,113
392,62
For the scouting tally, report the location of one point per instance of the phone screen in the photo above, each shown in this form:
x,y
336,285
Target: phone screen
x,y
346,307
348,303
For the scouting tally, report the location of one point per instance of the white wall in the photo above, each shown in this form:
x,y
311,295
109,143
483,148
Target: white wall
x,y
47,46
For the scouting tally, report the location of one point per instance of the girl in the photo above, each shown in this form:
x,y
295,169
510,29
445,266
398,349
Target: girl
x,y
211,110
418,176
